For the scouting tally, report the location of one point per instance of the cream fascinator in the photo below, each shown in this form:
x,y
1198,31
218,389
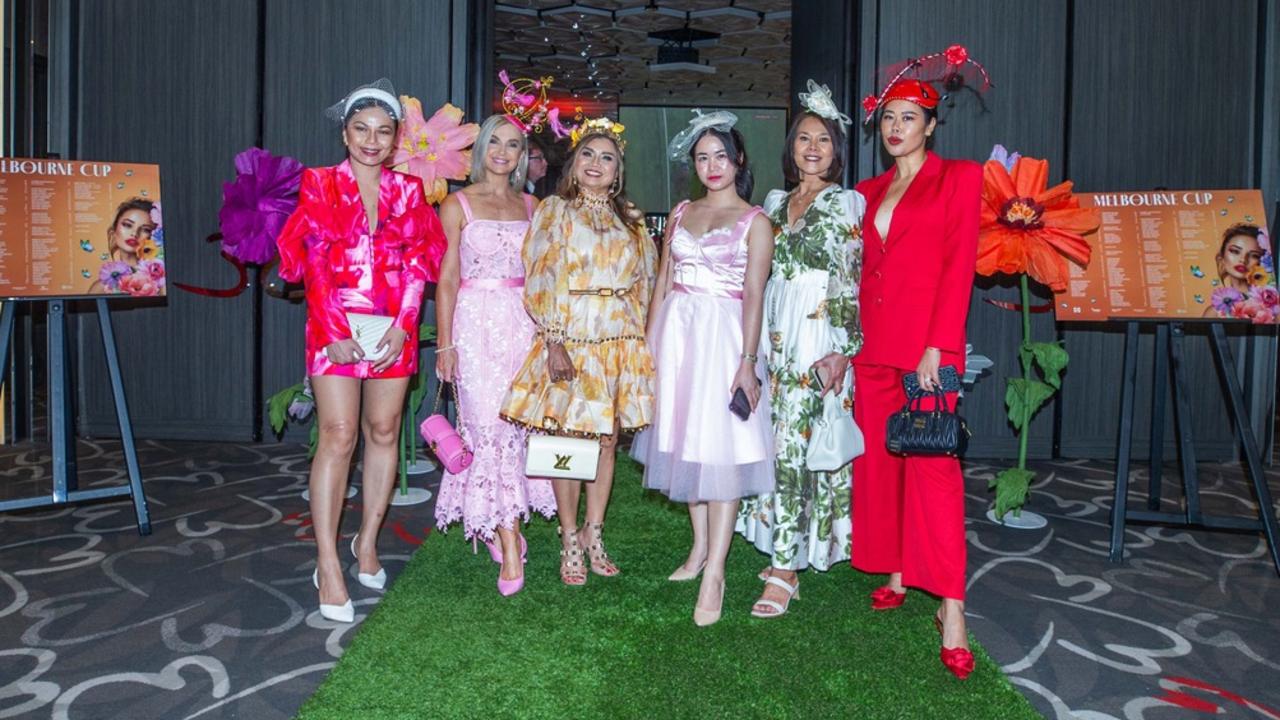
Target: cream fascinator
x,y
818,101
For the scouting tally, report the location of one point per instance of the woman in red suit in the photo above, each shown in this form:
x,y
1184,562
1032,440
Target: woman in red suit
x,y
364,241
920,247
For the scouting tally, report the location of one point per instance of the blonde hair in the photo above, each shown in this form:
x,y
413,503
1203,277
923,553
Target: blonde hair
x,y
515,177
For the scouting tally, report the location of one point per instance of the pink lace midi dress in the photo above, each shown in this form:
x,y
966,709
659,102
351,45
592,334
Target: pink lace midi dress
x,y
492,333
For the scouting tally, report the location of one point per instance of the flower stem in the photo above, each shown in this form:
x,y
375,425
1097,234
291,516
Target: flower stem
x,y
1025,432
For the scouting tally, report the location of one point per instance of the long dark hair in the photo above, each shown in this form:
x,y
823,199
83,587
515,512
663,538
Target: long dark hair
x,y
568,188
736,148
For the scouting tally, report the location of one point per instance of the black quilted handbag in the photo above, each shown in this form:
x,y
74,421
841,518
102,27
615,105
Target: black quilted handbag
x,y
914,431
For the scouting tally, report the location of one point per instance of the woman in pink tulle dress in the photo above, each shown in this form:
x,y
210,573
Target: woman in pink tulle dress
x,y
485,334
705,338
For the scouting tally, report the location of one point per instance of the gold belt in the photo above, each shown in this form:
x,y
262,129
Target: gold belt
x,y
602,292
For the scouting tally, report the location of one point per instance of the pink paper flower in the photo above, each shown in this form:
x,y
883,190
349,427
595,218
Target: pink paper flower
x,y
436,149
1269,296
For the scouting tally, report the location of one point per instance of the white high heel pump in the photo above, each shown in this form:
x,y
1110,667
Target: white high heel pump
x,y
376,581
344,613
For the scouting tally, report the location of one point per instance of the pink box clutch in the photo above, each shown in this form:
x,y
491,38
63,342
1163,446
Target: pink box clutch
x,y
446,443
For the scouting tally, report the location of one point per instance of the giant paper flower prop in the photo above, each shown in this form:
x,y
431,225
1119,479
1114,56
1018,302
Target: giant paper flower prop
x,y
257,203
1028,227
436,149
1030,230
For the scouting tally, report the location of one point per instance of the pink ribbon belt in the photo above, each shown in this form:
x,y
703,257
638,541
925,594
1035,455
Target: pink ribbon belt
x,y
696,290
490,283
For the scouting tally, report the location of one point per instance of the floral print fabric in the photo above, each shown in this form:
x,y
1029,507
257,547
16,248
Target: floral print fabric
x,y
588,282
349,267
811,310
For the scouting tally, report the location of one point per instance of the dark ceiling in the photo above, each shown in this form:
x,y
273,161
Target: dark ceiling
x,y
601,48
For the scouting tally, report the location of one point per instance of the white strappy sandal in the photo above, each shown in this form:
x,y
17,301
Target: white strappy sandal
x,y
780,609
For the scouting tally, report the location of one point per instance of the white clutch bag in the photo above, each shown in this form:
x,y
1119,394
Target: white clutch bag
x,y
367,331
834,438
561,458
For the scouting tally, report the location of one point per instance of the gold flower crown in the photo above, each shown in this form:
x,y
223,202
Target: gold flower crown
x,y
599,126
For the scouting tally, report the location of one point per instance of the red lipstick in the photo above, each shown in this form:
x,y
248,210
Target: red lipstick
x,y
895,141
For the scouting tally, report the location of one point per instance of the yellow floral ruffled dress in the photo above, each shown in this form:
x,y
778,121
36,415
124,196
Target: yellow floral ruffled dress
x,y
588,281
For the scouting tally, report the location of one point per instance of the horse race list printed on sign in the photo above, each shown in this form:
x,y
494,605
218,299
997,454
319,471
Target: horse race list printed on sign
x,y
71,228
1175,255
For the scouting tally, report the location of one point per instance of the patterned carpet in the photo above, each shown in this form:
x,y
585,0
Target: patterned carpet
x,y
214,616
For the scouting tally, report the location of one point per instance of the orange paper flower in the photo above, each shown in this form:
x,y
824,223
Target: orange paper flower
x,y
1027,228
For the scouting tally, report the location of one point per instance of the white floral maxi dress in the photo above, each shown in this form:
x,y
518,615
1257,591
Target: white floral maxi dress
x,y
811,309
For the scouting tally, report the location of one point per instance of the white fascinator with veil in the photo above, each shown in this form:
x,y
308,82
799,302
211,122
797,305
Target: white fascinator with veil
x,y
722,120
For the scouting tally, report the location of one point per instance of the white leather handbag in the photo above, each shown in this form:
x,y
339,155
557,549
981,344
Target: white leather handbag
x,y
834,438
367,331
561,458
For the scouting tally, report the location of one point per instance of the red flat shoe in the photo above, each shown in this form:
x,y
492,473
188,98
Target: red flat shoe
x,y
958,660
884,598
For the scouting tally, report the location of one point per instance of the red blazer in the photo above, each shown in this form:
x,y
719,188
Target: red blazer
x,y
916,283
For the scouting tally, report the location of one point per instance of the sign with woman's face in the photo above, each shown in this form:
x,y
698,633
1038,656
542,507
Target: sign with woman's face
x,y
73,228
1175,255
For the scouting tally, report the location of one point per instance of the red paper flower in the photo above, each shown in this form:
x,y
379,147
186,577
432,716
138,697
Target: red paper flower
x,y
1028,228
869,103
956,55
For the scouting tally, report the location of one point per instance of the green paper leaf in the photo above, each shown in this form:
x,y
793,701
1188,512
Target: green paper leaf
x,y
1052,360
278,407
1023,398
1011,486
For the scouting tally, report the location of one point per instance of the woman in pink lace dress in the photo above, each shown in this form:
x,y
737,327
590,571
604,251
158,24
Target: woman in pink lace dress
x,y
485,334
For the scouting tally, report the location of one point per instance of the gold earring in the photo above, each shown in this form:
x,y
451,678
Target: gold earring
x,y
615,188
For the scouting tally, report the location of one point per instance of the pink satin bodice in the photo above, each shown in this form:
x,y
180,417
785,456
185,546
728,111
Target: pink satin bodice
x,y
716,262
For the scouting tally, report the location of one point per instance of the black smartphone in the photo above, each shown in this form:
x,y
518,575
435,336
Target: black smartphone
x,y
739,405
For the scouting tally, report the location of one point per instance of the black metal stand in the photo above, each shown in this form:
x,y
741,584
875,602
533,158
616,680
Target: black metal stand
x,y
62,426
1169,359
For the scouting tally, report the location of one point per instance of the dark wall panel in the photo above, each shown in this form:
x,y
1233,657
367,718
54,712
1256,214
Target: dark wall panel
x,y
1144,116
172,82
1025,112
316,51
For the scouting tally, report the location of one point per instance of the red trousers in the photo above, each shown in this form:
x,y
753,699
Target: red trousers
x,y
908,512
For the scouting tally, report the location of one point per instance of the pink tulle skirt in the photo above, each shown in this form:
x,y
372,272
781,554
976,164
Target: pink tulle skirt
x,y
696,449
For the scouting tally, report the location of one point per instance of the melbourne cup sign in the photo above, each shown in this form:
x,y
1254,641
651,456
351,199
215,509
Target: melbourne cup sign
x,y
71,228
1175,255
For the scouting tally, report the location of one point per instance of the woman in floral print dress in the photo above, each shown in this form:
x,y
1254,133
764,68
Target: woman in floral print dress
x,y
811,316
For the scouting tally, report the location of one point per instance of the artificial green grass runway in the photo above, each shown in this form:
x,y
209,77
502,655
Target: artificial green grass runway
x,y
444,644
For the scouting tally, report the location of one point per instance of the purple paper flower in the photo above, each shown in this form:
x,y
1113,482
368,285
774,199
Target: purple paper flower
x,y
257,203
303,404
1268,263
111,272
1004,157
1224,298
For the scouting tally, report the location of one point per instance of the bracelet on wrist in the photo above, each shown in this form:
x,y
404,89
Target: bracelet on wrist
x,y
751,357
443,348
